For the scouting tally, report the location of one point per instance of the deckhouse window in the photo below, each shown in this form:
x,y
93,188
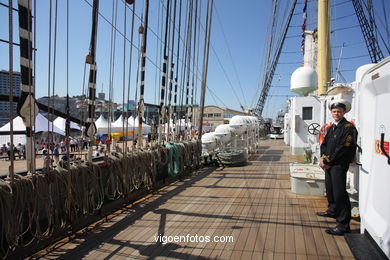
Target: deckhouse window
x,y
307,113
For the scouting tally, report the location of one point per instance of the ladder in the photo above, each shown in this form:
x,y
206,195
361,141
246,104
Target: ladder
x,y
374,50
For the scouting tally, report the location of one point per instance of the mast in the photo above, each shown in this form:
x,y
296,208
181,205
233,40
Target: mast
x,y
91,60
323,65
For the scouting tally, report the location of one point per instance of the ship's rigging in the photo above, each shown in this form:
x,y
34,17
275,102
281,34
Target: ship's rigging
x,y
365,13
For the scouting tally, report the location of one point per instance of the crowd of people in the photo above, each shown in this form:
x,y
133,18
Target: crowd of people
x,y
19,151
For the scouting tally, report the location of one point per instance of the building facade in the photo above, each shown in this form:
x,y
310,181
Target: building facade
x,y
4,90
214,116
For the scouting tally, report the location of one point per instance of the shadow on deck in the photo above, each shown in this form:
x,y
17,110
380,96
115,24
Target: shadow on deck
x,y
252,205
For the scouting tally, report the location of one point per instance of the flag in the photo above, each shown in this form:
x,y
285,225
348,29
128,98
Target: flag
x,y
304,16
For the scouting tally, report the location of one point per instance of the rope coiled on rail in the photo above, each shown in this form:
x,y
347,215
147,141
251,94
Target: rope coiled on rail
x,y
34,206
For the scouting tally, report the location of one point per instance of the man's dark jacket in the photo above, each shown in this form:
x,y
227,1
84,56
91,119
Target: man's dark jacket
x,y
339,145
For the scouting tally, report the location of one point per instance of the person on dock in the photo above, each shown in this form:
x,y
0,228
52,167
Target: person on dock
x,y
337,152
47,161
56,154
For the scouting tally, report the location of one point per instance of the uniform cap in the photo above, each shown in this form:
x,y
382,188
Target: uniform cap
x,y
341,103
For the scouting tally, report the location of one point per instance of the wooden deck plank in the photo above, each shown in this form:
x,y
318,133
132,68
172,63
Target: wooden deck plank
x,y
216,213
251,241
253,204
299,238
308,234
264,220
318,230
218,227
246,241
171,214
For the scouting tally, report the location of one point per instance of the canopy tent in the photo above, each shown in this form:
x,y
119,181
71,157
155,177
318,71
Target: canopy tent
x,y
101,125
180,124
120,123
146,129
131,121
42,124
60,122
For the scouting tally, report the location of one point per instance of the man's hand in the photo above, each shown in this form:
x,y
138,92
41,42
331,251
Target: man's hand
x,y
323,165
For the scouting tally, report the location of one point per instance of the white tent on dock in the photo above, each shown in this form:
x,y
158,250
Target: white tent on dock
x,y
101,125
42,124
60,122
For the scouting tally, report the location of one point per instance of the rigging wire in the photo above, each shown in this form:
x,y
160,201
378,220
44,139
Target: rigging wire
x,y
132,44
160,56
198,52
345,58
156,78
230,56
136,87
67,122
129,79
121,33
385,24
332,20
184,54
176,75
345,28
50,134
193,68
164,76
11,90
375,26
33,50
172,69
112,69
54,62
189,46
206,50
124,78
262,59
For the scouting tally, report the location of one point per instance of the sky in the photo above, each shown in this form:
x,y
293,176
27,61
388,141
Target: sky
x,y
238,46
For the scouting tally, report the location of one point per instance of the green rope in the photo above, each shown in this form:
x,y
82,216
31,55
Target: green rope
x,y
173,159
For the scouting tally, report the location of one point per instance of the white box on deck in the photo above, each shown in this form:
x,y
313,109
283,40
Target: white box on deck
x,y
307,179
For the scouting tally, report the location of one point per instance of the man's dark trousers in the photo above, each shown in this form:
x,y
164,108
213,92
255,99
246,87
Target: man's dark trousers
x,y
338,199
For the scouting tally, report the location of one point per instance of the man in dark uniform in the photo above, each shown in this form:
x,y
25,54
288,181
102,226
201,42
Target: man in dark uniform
x,y
337,152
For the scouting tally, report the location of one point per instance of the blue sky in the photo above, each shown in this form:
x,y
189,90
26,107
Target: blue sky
x,y
238,43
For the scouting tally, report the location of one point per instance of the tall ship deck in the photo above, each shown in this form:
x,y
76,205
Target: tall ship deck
x,y
251,207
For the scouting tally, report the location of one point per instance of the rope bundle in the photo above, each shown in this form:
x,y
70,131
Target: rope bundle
x,y
233,157
34,206
183,156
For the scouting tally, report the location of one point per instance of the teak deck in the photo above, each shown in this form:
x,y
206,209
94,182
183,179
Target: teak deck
x,y
253,204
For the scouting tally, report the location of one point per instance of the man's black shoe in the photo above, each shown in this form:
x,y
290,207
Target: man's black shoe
x,y
326,214
337,231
